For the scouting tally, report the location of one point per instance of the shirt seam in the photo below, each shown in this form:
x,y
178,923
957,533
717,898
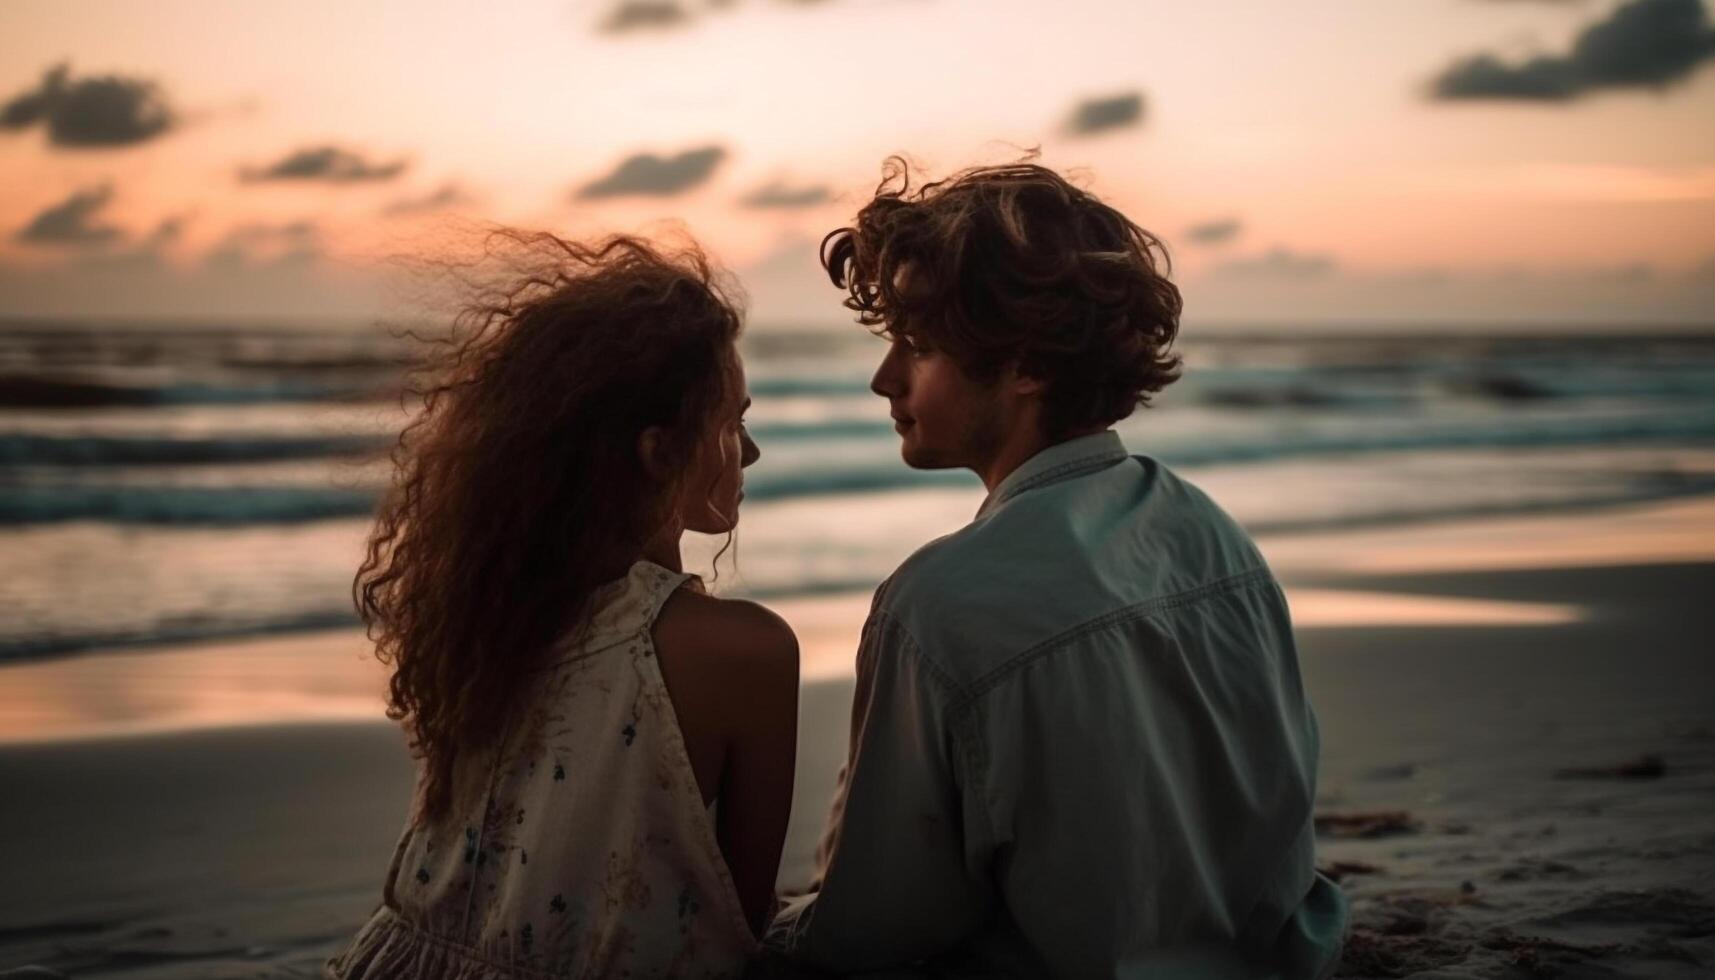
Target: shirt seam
x,y
970,755
1140,610
1055,473
885,619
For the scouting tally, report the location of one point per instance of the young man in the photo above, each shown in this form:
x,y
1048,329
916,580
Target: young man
x,y
1080,745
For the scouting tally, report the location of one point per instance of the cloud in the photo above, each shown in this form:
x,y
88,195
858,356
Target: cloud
x,y
32,106
778,195
330,164
650,175
148,253
1109,112
1214,232
787,287
1279,263
448,195
92,112
170,230
72,221
640,16
1644,43
255,245
643,15
131,283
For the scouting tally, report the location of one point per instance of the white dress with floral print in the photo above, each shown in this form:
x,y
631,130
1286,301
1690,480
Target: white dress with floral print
x,y
581,846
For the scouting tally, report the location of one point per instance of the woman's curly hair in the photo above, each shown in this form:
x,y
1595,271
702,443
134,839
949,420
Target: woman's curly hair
x,y
1014,266
517,488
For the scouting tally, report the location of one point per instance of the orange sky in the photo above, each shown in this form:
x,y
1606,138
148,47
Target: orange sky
x,y
1351,196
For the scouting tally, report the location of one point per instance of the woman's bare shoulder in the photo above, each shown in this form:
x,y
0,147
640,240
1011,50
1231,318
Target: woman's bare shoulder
x,y
727,628
731,666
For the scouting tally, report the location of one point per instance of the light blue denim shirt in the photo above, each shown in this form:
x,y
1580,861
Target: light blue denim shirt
x,y
1080,748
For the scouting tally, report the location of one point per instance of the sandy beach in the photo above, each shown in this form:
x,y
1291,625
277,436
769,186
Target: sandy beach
x,y
1518,724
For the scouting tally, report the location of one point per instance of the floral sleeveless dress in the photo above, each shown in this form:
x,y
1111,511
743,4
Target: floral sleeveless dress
x,y
580,846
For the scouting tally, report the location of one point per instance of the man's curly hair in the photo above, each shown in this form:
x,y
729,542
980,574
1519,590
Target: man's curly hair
x,y
1013,265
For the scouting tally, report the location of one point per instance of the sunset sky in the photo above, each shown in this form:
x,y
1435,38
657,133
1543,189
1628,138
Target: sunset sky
x,y
1329,162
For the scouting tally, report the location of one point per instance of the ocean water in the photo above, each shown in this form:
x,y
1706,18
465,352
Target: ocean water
x,y
164,483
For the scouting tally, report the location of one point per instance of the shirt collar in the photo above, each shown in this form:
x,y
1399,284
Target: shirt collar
x,y
1074,457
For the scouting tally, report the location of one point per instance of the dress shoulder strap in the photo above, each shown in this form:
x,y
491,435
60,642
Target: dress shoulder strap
x,y
661,584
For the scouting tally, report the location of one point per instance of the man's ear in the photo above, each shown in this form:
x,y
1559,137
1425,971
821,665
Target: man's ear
x,y
651,446
1024,384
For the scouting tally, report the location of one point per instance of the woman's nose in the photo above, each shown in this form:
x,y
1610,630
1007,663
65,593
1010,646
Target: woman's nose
x,y
751,451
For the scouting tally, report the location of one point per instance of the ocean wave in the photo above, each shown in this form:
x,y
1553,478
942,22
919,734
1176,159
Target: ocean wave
x,y
232,506
39,391
1642,492
795,386
872,472
25,449
860,579
212,506
42,646
1503,433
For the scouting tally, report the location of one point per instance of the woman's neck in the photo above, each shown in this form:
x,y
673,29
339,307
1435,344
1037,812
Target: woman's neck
x,y
663,550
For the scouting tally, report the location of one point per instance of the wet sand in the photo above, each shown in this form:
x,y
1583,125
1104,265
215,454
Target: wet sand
x,y
1518,766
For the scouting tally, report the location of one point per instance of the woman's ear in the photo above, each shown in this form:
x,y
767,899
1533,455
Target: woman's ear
x,y
651,448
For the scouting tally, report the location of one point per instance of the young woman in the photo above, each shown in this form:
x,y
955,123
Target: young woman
x,y
606,751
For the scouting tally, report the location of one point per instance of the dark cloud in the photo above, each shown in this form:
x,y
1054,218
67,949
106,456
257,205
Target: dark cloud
x,y
1279,263
167,232
648,174
779,195
329,164
259,233
639,16
254,245
32,106
643,15
147,254
97,111
72,221
1214,232
449,195
1644,43
1108,112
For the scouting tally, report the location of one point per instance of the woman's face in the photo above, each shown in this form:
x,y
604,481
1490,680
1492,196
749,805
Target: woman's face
x,y
715,484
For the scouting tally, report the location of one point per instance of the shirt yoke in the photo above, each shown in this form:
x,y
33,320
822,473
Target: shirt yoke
x,y
1063,560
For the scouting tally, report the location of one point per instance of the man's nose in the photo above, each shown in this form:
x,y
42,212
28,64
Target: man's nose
x,y
885,382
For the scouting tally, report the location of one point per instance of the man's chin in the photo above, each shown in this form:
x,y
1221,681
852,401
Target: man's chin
x,y
923,458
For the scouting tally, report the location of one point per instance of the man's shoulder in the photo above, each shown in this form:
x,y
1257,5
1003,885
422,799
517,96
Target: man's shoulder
x,y
1136,516
1048,560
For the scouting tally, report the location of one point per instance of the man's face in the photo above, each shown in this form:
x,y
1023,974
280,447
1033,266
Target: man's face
x,y
944,418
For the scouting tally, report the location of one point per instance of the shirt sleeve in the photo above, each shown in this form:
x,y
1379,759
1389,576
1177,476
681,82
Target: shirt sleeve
x,y
902,876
